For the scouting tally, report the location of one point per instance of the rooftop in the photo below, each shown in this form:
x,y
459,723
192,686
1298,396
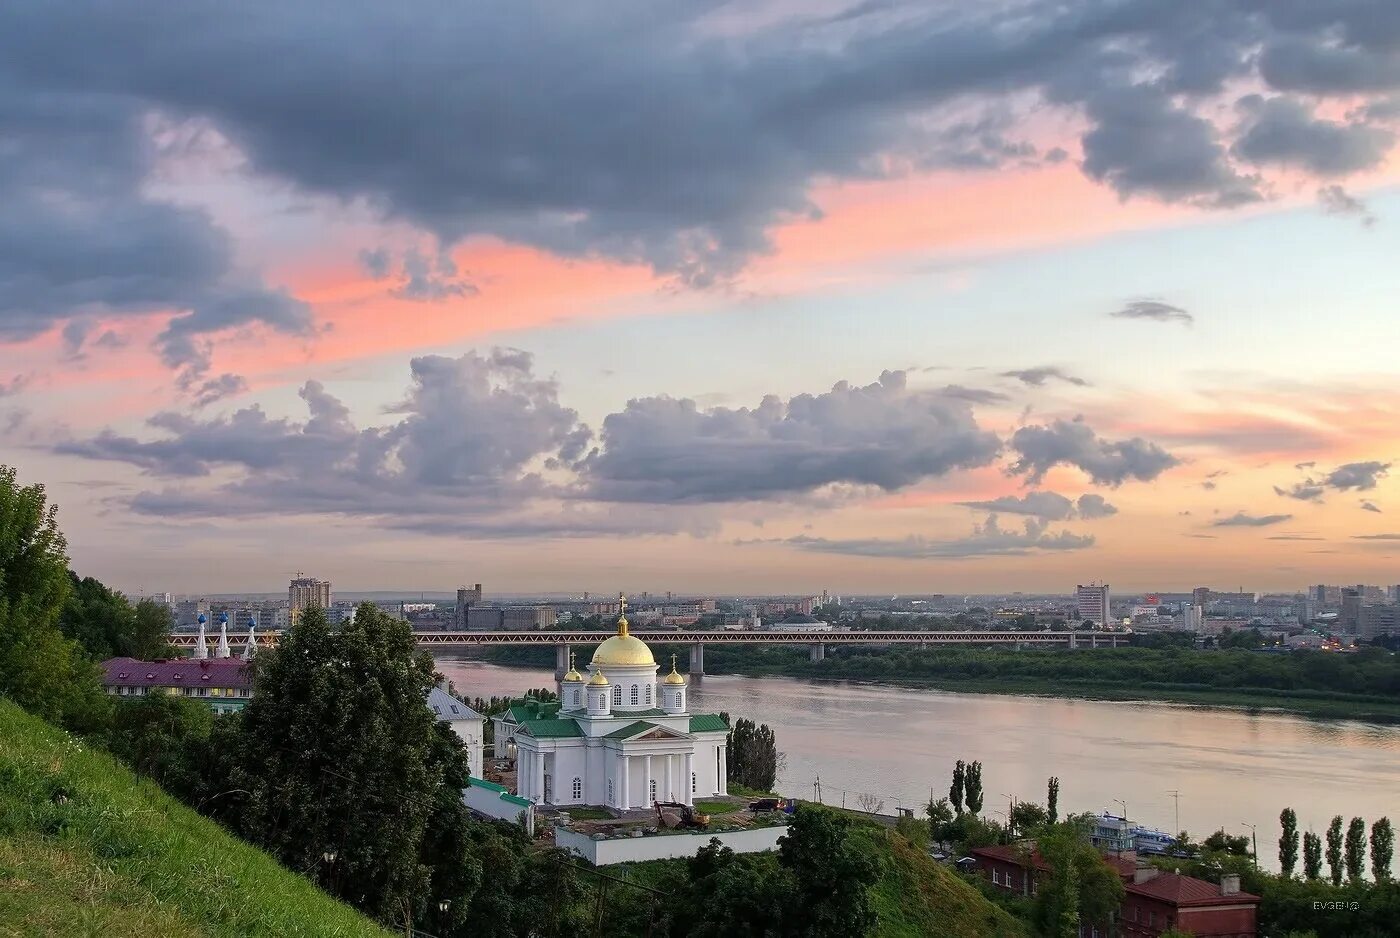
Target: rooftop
x,y
179,672
1187,890
447,707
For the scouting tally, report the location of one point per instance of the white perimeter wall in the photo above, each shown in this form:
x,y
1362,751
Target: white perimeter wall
x,y
663,846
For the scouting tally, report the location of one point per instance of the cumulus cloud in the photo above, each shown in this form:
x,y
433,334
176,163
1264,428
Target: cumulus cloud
x,y
1337,201
1359,476
1074,443
1048,506
608,169
1242,520
986,539
885,434
1037,377
1155,310
1284,131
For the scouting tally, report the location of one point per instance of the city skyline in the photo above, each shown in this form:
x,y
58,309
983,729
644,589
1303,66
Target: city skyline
x,y
882,298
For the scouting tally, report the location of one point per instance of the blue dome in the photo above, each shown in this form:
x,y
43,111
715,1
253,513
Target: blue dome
x,y
201,617
223,617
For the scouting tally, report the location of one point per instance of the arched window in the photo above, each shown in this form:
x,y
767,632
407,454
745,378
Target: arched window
x,y
610,791
634,695
648,693
680,700
694,783
576,699
617,694
578,788
652,789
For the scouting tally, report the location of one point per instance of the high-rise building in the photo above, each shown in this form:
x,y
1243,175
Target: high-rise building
x,y
1092,603
466,598
1393,593
1350,620
1376,621
1319,594
1200,596
305,592
1195,618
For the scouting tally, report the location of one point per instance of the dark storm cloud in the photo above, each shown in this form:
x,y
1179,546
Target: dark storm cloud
x,y
1037,377
1284,131
1154,310
662,449
1048,506
645,135
1073,443
986,539
1241,520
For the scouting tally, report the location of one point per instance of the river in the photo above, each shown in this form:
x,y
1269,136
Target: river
x,y
1230,767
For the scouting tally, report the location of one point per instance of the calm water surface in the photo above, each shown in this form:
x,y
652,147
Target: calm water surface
x,y
1230,767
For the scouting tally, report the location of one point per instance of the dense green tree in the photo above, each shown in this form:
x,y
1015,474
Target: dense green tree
x,y
1221,842
40,669
1312,856
1356,850
940,815
973,794
1382,849
150,632
829,876
752,755
724,894
96,617
1288,842
1334,850
523,893
162,737
1027,816
335,757
1052,799
1081,886
958,788
446,850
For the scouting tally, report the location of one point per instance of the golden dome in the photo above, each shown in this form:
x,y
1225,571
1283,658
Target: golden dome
x,y
599,680
674,677
622,649
572,674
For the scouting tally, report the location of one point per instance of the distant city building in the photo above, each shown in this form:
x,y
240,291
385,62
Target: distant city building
x,y
305,592
1194,619
466,598
524,618
1200,596
1319,594
1350,619
1091,603
1376,621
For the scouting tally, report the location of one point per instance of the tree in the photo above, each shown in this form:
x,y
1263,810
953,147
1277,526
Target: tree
x,y
161,737
335,754
1027,816
974,787
1356,850
1288,842
752,754
829,875
1382,849
1334,850
95,617
939,812
40,669
870,803
957,789
1221,842
150,632
1052,799
1312,856
1081,886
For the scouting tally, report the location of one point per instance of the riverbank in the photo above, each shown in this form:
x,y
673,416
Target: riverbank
x,y
1224,680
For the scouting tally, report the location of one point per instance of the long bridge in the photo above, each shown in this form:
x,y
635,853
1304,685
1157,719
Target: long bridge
x,y
815,641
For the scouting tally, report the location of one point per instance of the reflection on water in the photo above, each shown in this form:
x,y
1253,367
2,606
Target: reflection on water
x,y
1230,767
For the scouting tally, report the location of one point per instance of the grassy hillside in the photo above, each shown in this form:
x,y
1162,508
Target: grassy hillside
x,y
917,896
87,848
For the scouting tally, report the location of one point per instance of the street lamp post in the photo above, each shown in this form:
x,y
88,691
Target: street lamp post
x,y
1254,833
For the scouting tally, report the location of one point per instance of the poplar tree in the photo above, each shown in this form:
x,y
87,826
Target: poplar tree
x,y
1334,850
1288,842
1312,856
974,787
956,790
1382,849
1052,799
1356,850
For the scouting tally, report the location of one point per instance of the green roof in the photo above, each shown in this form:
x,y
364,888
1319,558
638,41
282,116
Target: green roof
x,y
552,729
516,799
707,723
475,782
631,729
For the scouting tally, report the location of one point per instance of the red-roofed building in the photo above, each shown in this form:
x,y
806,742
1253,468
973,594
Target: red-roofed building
x,y
223,683
1154,901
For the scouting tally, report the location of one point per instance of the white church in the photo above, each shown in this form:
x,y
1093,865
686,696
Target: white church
x,y
620,737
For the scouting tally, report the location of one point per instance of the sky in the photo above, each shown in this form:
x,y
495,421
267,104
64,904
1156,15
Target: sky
x,y
710,297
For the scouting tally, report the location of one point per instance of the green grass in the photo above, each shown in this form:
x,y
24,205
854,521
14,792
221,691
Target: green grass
x,y
87,848
589,814
717,807
916,896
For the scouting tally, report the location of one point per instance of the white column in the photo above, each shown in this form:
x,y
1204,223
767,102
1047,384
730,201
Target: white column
x,y
723,784
539,775
646,783
626,772
522,772
670,777
685,782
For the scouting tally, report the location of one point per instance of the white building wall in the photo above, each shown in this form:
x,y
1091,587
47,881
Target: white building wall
x,y
664,846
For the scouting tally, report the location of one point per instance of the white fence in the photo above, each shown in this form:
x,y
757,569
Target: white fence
x,y
494,801
663,846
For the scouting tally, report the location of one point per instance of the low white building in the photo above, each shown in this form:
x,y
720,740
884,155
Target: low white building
x,y
469,725
621,738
